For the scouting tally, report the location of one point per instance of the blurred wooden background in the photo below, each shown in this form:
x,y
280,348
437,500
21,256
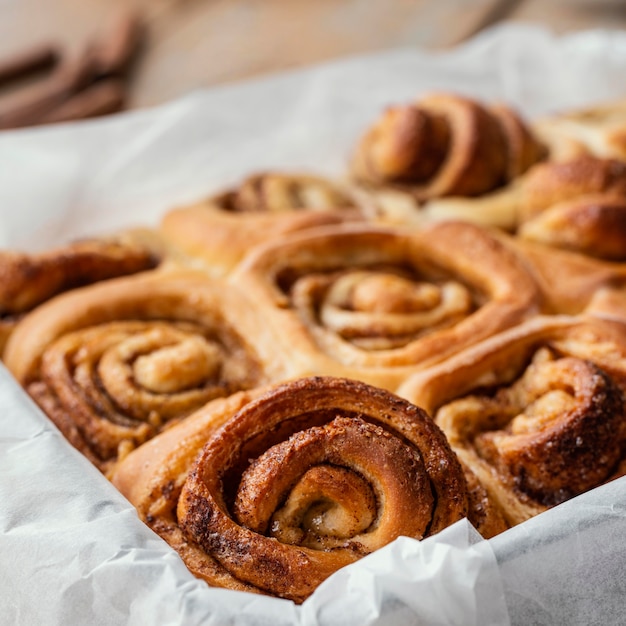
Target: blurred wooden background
x,y
198,43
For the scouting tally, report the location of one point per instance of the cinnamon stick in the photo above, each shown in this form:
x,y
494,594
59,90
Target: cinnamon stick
x,y
28,108
33,59
101,98
74,91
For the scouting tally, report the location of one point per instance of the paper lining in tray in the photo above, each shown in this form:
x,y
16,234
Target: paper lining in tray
x,y
73,550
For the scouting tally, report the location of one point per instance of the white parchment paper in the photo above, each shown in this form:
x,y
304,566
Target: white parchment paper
x,y
72,550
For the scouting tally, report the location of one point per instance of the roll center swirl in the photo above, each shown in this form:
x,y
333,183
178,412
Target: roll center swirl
x,y
320,469
555,431
381,310
178,367
387,293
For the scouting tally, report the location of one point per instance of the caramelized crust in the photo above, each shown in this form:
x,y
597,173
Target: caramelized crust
x,y
112,364
28,280
594,225
553,183
578,205
446,145
297,481
537,412
374,304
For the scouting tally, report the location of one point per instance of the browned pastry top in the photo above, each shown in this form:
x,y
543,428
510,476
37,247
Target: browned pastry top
x,y
114,363
444,145
578,205
27,280
551,183
300,480
538,412
374,302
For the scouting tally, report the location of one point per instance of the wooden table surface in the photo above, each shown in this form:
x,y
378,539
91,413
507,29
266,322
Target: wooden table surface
x,y
198,43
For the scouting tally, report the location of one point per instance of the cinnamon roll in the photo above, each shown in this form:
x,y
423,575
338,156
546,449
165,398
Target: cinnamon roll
x,y
578,205
446,145
375,303
221,229
114,363
27,280
275,489
537,412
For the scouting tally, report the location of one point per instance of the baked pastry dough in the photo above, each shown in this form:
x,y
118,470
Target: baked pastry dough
x,y
375,303
274,489
577,205
537,412
114,363
599,130
27,280
221,229
446,145
569,281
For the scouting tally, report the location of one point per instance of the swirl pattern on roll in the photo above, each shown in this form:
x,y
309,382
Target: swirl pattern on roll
x,y
275,192
446,145
302,479
114,363
27,280
538,412
221,229
374,303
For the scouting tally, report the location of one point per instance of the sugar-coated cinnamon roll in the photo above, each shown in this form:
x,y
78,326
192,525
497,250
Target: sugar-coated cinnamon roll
x,y
114,363
275,489
537,413
27,280
221,229
446,145
374,303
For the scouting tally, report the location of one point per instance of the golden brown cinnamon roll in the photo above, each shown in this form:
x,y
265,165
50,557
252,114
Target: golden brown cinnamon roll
x,y
27,280
537,412
275,489
223,228
578,205
112,364
446,145
374,303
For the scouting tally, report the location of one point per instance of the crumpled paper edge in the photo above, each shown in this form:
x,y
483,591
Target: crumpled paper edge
x,y
120,572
